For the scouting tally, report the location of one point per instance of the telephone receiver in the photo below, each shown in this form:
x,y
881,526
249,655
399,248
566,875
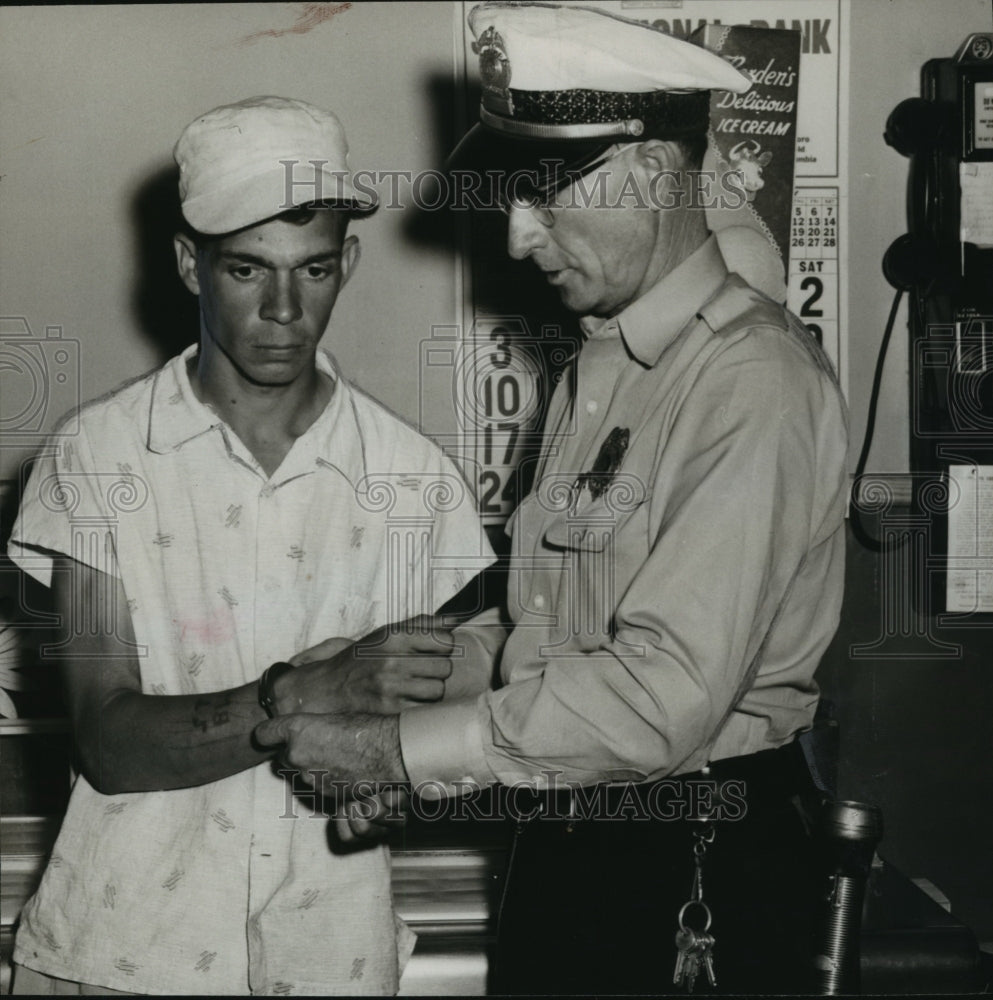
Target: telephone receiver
x,y
914,128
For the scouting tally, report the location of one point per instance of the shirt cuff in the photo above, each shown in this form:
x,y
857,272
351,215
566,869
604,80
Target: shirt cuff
x,y
442,748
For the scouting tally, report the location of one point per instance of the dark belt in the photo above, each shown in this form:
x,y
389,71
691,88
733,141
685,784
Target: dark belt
x,y
725,789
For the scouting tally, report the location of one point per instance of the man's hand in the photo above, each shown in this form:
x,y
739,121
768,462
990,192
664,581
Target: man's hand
x,y
366,821
396,666
343,755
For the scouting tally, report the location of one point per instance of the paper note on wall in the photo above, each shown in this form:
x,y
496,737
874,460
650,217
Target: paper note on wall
x,y
976,213
970,539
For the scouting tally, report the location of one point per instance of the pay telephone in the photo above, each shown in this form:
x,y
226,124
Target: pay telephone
x,y
945,263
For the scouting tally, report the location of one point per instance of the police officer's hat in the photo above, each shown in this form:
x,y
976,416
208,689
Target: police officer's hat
x,y
562,83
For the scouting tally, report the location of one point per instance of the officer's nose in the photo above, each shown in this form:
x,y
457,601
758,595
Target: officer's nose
x,y
282,300
525,231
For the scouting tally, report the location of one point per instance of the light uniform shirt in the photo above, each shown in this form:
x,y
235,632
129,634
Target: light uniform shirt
x,y
673,614
219,889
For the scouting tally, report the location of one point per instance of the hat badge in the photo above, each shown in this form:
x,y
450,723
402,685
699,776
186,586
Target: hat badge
x,y
494,71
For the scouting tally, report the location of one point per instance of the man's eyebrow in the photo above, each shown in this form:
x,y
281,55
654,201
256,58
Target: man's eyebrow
x,y
249,258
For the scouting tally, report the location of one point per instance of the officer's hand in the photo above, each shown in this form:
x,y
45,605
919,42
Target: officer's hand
x,y
342,756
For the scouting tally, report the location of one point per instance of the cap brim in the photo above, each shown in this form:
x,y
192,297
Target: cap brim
x,y
231,206
336,191
497,158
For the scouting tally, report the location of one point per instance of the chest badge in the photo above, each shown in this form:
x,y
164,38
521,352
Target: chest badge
x,y
606,464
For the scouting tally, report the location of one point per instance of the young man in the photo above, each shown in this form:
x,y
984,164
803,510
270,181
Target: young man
x,y
208,521
677,571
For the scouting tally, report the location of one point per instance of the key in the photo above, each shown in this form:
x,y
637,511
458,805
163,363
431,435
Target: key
x,y
691,968
685,946
699,957
705,952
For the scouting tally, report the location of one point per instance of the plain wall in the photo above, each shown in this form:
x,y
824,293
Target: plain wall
x,y
94,98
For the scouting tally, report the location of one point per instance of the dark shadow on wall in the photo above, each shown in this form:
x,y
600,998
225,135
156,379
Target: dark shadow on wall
x,y
436,228
164,309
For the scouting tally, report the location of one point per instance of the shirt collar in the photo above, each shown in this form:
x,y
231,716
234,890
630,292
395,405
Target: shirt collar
x,y
334,440
650,323
176,415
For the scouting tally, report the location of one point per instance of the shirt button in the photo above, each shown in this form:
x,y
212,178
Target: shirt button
x,y
539,601
591,406
268,490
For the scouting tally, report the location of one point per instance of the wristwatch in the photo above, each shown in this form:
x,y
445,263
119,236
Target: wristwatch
x,y
267,696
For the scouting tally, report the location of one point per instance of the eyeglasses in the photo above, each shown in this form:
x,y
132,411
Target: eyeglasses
x,y
521,190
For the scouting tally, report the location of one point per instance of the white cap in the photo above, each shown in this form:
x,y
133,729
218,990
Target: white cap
x,y
242,163
576,73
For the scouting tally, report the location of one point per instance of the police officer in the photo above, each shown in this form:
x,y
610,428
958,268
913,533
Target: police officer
x,y
677,571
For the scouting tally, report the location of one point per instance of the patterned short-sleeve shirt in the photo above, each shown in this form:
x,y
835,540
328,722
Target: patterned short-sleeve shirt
x,y
231,887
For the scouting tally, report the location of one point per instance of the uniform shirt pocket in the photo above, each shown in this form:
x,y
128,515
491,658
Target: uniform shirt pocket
x,y
602,546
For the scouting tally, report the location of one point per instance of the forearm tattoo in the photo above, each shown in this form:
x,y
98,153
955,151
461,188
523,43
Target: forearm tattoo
x,y
211,712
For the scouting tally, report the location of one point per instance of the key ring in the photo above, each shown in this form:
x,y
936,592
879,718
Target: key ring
x,y
682,914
